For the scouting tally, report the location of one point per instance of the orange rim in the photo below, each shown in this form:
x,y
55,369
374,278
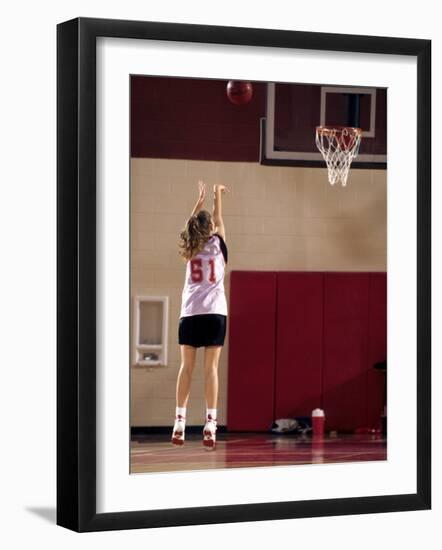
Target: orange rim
x,y
333,129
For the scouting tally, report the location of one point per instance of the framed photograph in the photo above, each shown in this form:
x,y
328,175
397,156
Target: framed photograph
x,y
243,248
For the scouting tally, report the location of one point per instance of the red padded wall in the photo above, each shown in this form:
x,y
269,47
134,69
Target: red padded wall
x,y
377,350
298,343
251,350
301,340
345,349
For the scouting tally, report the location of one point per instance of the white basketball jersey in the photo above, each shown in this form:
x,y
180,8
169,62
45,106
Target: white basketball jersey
x,y
203,290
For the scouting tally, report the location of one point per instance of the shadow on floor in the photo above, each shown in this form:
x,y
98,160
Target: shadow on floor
x,y
48,514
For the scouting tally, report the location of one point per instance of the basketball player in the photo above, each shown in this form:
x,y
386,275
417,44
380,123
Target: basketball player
x,y
203,314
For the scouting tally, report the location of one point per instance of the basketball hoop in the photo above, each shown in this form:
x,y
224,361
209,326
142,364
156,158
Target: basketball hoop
x,y
339,146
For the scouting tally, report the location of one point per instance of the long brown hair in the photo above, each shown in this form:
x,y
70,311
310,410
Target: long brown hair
x,y
195,234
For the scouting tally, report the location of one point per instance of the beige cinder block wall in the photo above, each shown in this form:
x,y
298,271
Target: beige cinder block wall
x,y
277,218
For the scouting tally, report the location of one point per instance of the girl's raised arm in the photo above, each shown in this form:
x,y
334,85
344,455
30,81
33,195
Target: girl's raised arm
x,y
218,189
199,203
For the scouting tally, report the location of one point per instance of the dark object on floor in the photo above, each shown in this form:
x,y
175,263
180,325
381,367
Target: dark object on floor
x,y
382,367
368,431
298,425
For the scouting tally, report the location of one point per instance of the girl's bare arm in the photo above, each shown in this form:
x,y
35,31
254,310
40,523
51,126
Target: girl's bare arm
x,y
199,203
217,215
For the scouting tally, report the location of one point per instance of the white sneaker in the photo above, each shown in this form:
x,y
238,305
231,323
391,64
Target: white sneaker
x,y
178,431
209,433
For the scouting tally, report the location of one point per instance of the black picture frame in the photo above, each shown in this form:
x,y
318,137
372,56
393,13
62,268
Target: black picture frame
x,y
76,274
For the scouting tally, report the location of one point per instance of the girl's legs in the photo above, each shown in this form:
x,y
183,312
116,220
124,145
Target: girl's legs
x,y
188,357
184,380
211,361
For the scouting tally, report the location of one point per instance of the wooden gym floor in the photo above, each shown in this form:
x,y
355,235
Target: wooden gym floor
x,y
155,453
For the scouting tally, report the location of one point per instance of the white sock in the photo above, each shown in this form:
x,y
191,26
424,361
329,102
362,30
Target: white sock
x,y
180,411
212,413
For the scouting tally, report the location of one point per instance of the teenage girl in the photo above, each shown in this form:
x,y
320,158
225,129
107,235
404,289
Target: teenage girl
x,y
203,313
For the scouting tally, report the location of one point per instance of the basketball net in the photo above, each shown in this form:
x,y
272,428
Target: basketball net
x,y
339,146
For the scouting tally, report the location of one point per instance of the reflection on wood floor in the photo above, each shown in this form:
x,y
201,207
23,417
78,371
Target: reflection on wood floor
x,y
155,453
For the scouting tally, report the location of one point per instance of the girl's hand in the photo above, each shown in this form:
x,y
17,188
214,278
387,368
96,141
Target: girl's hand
x,y
202,191
221,187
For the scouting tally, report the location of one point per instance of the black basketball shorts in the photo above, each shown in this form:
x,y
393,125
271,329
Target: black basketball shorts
x,y
203,330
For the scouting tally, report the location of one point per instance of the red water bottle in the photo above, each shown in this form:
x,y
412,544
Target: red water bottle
x,y
318,422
